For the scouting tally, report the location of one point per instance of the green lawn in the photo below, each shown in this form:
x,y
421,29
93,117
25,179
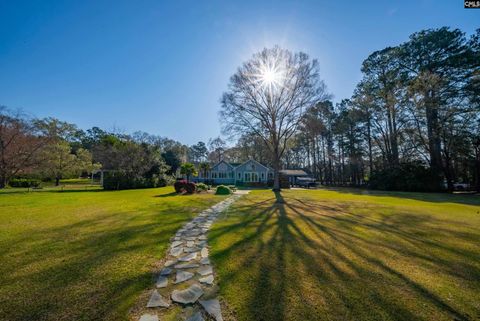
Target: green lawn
x,y
84,254
349,255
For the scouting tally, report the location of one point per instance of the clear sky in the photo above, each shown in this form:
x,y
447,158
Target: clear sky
x,y
161,66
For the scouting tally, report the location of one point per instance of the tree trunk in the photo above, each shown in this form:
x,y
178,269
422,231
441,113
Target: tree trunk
x,y
434,143
3,181
276,175
370,154
57,181
477,169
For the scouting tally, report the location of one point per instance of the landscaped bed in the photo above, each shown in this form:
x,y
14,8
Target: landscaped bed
x,y
349,255
83,254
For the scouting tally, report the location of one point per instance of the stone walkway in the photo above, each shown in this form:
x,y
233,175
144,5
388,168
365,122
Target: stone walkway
x,y
187,279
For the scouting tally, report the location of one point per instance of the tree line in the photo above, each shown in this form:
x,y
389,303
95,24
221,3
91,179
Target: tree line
x,y
412,123
49,149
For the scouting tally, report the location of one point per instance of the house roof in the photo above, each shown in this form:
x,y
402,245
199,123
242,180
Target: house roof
x,y
235,165
254,161
293,172
222,161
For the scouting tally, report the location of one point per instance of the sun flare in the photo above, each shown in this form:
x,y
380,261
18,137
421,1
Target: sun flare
x,y
270,76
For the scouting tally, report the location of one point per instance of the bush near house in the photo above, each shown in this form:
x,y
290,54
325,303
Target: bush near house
x,y
185,187
201,187
223,190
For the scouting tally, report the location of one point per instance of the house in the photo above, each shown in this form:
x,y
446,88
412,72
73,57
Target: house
x,y
249,172
294,176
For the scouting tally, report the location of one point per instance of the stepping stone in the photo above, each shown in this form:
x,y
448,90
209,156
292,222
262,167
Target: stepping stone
x,y
189,295
162,281
207,280
202,237
177,243
190,243
170,263
205,270
191,238
191,249
176,251
186,265
205,261
196,317
183,276
148,317
165,271
188,257
204,252
213,308
156,300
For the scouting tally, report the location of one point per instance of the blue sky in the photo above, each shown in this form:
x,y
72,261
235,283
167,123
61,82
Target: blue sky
x,y
161,66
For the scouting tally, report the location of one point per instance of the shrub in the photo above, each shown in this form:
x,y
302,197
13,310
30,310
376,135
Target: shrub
x,y
408,177
223,190
184,187
190,187
201,187
179,186
121,180
24,182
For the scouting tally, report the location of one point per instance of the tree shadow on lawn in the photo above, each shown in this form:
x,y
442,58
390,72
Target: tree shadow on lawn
x,y
310,261
470,199
168,195
88,270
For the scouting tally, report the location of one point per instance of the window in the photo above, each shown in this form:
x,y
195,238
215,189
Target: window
x,y
263,175
239,175
251,177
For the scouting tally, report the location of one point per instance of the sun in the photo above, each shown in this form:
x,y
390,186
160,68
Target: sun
x,y
270,76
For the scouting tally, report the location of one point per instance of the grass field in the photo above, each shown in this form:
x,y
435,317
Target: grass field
x,y
84,254
349,255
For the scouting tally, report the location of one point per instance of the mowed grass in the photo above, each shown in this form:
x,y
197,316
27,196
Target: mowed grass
x,y
82,254
349,255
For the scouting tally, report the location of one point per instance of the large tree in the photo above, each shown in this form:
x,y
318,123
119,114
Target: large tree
x,y
20,144
440,64
268,96
217,148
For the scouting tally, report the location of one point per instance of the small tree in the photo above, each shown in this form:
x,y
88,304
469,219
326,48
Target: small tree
x,y
188,169
58,161
204,168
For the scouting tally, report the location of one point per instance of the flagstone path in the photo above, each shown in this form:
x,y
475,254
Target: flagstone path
x,y
187,278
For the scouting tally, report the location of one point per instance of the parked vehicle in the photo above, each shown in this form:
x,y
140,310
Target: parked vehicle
x,y
306,182
461,186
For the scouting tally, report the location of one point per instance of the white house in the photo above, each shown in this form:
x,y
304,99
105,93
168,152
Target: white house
x,y
250,171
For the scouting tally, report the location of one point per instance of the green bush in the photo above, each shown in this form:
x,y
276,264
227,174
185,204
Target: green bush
x,y
24,182
121,180
223,190
408,177
201,187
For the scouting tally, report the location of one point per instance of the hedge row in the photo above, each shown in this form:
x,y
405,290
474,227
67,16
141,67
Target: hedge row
x,y
24,182
119,181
